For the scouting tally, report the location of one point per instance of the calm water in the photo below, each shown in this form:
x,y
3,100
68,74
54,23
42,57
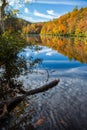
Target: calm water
x,y
51,59
64,106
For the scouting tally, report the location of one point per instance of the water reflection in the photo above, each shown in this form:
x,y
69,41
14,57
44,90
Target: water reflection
x,y
16,61
69,52
19,69
73,48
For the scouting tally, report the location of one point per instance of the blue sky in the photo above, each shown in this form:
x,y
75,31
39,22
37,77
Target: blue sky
x,y
45,10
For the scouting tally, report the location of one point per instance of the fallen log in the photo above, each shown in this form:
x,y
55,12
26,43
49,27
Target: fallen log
x,y
11,104
42,88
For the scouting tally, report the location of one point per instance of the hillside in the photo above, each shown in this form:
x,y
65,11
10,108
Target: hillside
x,y
15,24
72,23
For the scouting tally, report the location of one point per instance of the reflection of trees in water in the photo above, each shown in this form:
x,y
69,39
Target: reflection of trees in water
x,y
74,48
15,66
35,39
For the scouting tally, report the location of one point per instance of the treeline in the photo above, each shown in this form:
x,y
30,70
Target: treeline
x,y
34,28
72,23
19,25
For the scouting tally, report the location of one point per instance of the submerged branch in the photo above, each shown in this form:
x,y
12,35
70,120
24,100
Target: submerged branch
x,y
11,104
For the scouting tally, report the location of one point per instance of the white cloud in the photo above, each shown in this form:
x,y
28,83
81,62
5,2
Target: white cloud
x,y
36,13
53,14
26,10
48,16
50,12
32,19
36,16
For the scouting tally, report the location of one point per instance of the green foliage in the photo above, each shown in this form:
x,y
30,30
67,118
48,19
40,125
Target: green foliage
x,y
10,43
10,46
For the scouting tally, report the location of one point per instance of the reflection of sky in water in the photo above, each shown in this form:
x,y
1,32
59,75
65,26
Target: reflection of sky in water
x,y
51,59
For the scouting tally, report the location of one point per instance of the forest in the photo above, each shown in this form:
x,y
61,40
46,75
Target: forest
x,y
73,24
24,102
70,24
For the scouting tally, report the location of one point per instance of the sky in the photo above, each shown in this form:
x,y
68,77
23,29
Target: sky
x,y
45,10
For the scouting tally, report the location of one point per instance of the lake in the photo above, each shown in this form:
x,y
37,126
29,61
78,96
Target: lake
x,y
42,60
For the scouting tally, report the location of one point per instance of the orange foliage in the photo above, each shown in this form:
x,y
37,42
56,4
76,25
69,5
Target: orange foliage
x,y
71,23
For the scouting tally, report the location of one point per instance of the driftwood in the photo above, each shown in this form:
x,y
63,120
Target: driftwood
x,y
9,105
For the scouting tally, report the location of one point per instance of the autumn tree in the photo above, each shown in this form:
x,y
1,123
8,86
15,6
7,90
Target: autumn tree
x,y
73,23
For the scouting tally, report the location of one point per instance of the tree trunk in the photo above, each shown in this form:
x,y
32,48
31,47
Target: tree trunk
x,y
2,14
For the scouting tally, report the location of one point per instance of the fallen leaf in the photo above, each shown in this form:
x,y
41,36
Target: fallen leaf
x,y
40,121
